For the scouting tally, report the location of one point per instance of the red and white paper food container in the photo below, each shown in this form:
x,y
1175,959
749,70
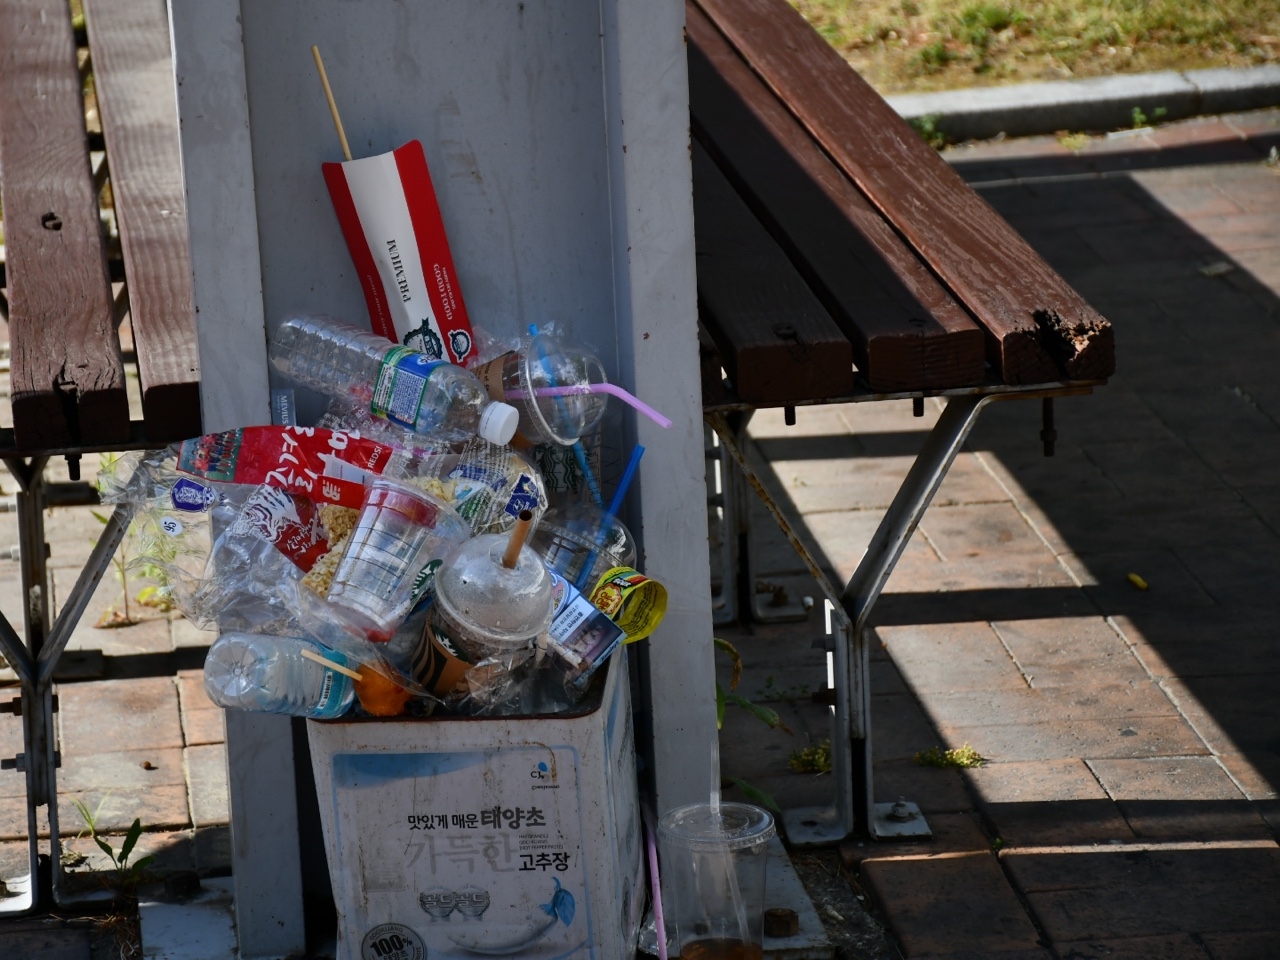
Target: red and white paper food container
x,y
387,208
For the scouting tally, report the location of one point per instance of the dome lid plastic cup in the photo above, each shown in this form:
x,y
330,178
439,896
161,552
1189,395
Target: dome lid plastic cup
x,y
497,607
547,362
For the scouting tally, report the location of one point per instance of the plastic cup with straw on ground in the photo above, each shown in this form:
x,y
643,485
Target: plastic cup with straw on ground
x,y
713,858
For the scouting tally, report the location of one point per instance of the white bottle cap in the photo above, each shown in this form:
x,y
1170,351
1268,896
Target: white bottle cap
x,y
498,423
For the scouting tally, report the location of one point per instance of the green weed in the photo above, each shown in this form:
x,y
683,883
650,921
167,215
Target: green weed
x,y
127,874
812,759
927,127
958,757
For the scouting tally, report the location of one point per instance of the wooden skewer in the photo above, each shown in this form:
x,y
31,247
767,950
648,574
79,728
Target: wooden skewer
x,y
312,655
519,534
333,107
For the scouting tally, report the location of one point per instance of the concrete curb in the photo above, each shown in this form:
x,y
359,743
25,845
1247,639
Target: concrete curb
x,y
1095,104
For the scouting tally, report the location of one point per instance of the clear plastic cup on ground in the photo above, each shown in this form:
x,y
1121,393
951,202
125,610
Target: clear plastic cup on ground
x,y
400,530
712,862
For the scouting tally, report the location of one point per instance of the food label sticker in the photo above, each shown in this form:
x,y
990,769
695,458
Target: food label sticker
x,y
392,941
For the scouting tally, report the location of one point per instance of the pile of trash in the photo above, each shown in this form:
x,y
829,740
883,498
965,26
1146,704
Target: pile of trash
x,y
403,556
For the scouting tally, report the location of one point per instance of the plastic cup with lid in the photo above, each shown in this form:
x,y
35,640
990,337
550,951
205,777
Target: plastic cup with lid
x,y
491,611
713,874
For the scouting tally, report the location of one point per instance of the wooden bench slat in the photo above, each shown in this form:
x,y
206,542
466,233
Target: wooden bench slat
x,y
133,78
1039,328
908,332
781,345
66,373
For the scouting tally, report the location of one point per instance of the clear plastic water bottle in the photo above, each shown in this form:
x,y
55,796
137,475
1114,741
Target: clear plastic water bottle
x,y
430,397
265,674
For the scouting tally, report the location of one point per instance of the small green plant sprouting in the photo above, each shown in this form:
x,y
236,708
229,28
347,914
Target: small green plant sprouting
x,y
963,756
1141,120
127,874
927,127
765,715
120,561
724,698
1075,142
815,758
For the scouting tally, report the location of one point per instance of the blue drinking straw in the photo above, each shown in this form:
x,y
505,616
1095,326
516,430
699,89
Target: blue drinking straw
x,y
607,520
579,453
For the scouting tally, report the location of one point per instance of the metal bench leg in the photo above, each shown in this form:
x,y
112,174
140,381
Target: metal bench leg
x,y
853,805
36,661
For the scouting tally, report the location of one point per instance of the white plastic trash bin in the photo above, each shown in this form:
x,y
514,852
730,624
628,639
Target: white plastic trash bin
x,y
455,837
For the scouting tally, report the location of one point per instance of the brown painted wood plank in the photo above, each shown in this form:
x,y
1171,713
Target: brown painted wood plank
x,y
1039,328
908,332
776,340
133,77
66,373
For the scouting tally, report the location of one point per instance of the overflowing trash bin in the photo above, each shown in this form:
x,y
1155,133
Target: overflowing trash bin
x,y
437,575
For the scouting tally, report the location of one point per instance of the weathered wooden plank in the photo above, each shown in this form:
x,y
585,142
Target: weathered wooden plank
x,y
65,367
133,77
1038,327
908,332
776,340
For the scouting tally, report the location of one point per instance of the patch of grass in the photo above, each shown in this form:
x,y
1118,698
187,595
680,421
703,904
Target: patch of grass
x,y
812,759
905,45
1141,120
964,756
927,127
933,57
1073,141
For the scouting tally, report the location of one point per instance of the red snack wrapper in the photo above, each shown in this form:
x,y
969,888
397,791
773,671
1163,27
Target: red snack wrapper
x,y
327,466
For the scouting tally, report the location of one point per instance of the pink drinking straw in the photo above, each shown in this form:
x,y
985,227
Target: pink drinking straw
x,y
655,884
612,389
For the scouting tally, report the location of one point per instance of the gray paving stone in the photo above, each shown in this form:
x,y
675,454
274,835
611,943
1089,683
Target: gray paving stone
x,y
1231,821
207,778
142,713
900,729
934,789
1165,778
1075,653
1034,781
158,808
1066,705
941,903
122,771
949,657
1089,738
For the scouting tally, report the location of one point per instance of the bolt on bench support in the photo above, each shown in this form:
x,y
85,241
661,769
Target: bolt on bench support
x,y
854,807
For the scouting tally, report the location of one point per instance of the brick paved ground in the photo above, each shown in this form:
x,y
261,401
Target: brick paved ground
x,y
1129,806
137,734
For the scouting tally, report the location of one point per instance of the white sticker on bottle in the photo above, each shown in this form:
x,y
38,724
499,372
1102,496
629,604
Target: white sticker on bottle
x,y
172,526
